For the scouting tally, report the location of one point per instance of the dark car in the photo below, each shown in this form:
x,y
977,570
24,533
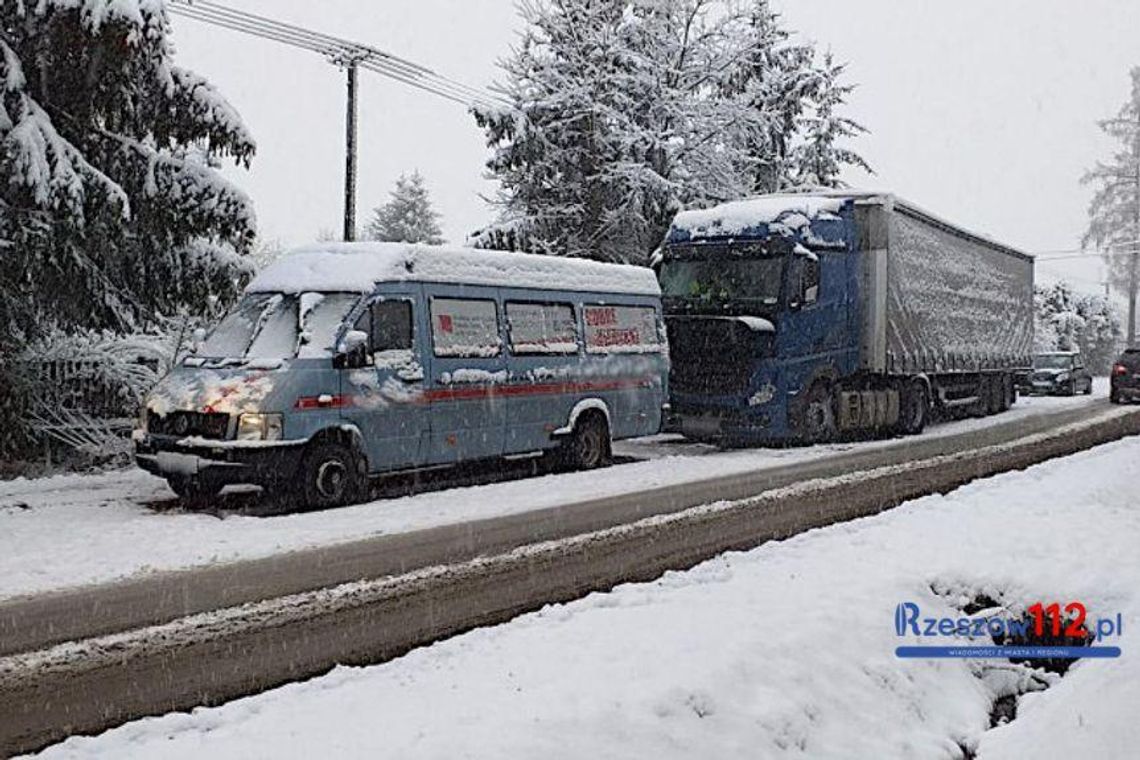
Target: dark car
x,y
1058,373
1125,380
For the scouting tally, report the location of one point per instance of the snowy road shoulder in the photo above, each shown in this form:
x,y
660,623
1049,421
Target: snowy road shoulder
x,y
786,650
74,530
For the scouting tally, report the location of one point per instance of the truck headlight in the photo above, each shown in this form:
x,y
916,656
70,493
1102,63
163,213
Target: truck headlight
x,y
258,426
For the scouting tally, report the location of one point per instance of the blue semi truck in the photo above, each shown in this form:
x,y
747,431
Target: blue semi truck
x,y
834,314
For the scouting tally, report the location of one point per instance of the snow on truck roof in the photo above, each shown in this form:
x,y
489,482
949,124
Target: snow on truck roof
x,y
736,216
795,211
358,266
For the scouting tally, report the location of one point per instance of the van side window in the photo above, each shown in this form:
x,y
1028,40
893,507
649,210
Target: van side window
x,y
810,281
621,329
465,327
391,325
542,328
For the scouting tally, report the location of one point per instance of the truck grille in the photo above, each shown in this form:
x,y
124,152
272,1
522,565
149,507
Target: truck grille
x,y
710,355
203,424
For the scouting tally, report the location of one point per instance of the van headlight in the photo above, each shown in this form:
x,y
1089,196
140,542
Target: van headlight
x,y
258,426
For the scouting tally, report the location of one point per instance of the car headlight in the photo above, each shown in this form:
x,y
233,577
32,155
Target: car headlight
x,y
258,426
1061,377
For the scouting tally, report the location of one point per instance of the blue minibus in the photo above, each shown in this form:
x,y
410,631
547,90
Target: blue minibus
x,y
349,360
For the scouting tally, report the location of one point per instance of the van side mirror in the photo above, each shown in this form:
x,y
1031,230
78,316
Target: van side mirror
x,y
352,351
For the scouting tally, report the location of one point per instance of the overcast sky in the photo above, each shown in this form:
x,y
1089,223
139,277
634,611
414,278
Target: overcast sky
x,y
982,112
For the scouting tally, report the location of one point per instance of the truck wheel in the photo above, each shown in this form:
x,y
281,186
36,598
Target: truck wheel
x,y
819,419
588,447
330,475
193,488
1009,392
997,394
915,408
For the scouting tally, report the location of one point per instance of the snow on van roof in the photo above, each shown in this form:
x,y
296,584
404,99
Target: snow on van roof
x,y
792,209
358,266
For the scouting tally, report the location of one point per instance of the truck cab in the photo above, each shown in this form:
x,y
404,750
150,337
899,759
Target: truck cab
x,y
757,313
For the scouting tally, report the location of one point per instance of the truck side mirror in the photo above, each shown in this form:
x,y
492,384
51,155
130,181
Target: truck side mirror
x,y
352,351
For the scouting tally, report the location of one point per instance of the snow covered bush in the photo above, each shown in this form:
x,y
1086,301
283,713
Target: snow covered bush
x,y
1069,321
624,112
83,390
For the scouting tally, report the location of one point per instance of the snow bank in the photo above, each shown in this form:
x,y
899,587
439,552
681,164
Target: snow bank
x,y
357,266
783,651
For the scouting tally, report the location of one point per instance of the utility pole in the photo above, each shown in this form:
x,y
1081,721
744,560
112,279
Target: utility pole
x,y
1132,266
350,155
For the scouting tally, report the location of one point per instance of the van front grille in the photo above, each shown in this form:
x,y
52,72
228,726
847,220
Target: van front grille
x,y
203,424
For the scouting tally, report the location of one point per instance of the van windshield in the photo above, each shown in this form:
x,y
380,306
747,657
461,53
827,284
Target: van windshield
x,y
280,326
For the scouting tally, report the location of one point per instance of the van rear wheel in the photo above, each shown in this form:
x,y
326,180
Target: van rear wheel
x,y
330,476
588,447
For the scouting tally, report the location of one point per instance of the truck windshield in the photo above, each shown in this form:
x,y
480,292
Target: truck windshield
x,y
723,278
279,326
1052,361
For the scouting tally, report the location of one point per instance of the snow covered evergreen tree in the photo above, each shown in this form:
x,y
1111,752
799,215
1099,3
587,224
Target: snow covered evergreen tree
x,y
1069,321
820,157
408,217
1114,213
625,111
111,208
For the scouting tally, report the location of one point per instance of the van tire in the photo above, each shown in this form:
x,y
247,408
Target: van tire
x,y
329,476
588,446
191,488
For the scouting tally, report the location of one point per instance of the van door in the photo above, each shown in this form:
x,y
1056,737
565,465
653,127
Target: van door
x,y
388,398
467,374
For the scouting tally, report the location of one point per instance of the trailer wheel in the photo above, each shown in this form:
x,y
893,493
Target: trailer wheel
x,y
818,421
996,385
588,447
915,408
1009,392
329,476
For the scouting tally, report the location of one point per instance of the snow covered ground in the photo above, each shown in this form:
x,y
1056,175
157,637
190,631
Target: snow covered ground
x,y
73,530
783,651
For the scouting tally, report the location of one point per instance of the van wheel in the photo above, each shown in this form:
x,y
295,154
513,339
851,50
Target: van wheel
x,y
330,476
193,488
915,408
819,419
588,447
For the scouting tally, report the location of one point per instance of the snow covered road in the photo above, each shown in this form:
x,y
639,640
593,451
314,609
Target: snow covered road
x,y
783,651
74,530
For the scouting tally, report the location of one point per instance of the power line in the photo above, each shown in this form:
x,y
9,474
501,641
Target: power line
x,y
348,55
337,50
